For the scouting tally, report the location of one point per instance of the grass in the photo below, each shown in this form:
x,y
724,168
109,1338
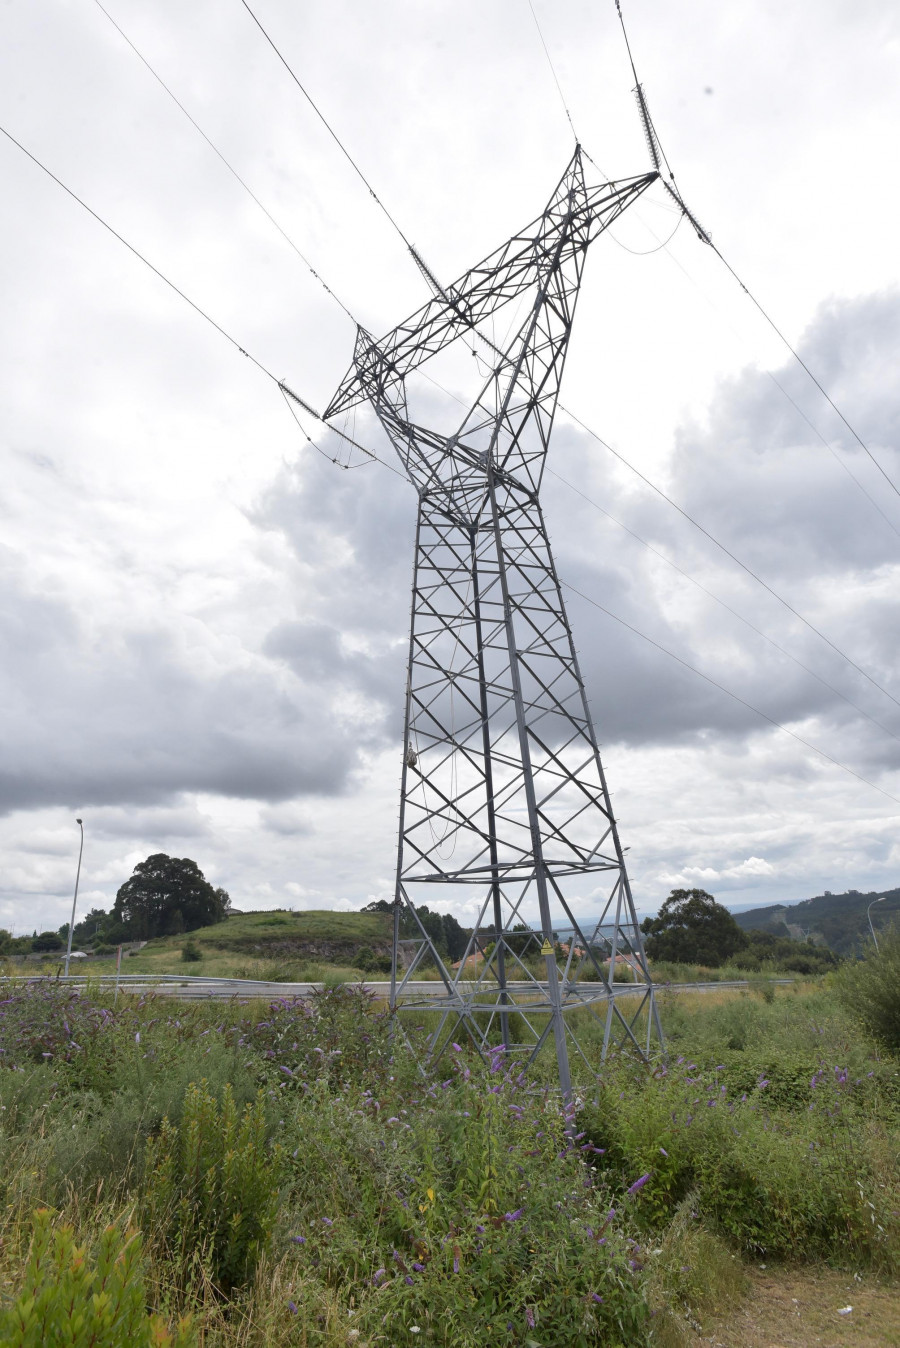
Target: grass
x,y
337,1196
309,946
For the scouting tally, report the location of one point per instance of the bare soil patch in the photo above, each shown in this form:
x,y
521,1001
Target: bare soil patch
x,y
799,1308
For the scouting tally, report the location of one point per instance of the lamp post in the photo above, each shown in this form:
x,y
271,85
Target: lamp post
x,y
74,900
869,916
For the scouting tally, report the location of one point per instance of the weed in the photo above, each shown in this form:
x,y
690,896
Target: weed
x,y
69,1298
211,1188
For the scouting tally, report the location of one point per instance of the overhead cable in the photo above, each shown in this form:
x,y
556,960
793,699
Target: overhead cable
x,y
290,394
723,604
285,389
328,127
231,169
732,556
652,136
562,97
735,696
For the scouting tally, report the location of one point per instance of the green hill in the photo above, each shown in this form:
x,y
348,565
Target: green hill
x,y
318,933
836,920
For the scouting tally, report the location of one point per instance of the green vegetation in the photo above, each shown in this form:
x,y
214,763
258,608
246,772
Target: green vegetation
x,y
870,989
165,896
837,921
692,926
69,1298
284,1175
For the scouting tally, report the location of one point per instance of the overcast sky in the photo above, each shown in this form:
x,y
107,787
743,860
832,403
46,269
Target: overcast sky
x,y
203,620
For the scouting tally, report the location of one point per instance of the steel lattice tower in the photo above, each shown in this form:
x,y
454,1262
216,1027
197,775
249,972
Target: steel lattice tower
x,y
503,793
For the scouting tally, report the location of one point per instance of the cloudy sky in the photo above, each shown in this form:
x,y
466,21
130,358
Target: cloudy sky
x,y
202,618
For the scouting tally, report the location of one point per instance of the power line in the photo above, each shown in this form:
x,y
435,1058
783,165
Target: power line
x,y
723,604
396,226
428,274
652,136
231,169
288,393
728,553
562,97
328,127
140,256
737,698
802,363
282,385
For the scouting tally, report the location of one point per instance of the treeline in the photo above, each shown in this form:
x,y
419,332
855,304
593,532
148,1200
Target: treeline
x,y
445,933
692,928
165,896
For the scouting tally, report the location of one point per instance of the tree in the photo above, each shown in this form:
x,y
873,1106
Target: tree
x,y
692,928
48,940
88,929
167,895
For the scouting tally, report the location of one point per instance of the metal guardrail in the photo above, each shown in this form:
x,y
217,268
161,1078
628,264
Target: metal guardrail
x,y
197,987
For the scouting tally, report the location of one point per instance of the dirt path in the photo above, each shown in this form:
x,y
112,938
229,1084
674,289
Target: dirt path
x,y
798,1308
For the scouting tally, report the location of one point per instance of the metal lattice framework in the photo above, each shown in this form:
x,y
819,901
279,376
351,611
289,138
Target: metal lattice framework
x,y
504,798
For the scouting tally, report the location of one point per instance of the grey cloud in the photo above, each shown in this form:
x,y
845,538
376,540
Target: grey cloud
x,y
747,476
289,820
138,717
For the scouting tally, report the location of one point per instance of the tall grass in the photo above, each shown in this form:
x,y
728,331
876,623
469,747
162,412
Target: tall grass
x,y
297,1179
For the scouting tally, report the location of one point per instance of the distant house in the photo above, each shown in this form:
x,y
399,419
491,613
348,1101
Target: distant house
x,y
472,962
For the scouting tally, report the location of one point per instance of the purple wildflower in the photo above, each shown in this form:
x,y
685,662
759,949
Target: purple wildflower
x,y
514,1216
529,1317
598,1299
408,1280
664,1152
418,1268
638,1184
299,1240
378,1275
292,1308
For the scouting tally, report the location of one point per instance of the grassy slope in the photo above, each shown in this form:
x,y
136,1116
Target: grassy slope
x,y
837,919
250,930
270,945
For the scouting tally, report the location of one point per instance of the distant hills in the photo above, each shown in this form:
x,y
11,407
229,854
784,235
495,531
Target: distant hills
x,y
836,920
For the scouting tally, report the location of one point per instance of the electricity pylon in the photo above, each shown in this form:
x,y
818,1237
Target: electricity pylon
x,y
504,804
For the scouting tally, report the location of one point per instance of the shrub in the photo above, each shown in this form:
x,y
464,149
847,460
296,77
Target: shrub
x,y
48,940
69,1299
369,961
211,1188
870,990
191,953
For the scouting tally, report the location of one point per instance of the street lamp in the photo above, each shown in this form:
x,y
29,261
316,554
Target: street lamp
x,y
75,899
869,916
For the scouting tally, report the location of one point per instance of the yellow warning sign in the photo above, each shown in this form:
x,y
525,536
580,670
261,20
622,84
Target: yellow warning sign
x,y
546,948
